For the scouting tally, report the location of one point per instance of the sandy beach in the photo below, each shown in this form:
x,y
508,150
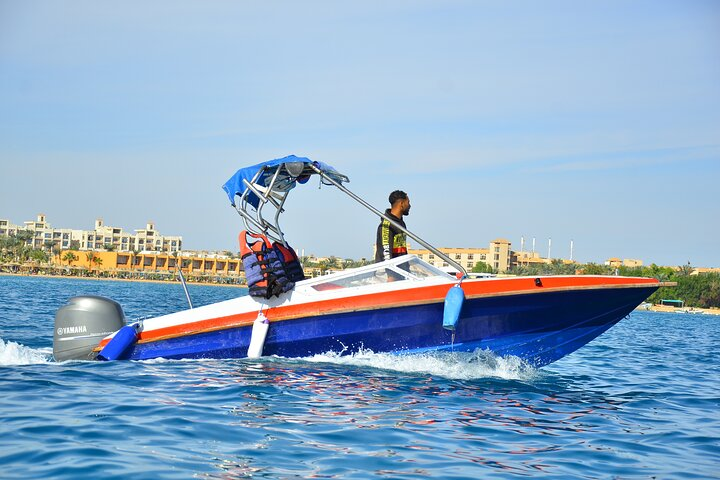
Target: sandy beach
x,y
668,309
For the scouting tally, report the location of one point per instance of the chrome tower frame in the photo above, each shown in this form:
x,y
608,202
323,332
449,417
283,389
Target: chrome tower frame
x,y
275,191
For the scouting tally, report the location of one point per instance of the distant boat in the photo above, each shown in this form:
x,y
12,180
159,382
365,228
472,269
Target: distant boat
x,y
402,305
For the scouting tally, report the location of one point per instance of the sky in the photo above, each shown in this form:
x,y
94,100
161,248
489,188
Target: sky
x,y
591,122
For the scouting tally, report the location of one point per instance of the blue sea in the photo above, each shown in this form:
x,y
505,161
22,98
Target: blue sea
x,y
641,401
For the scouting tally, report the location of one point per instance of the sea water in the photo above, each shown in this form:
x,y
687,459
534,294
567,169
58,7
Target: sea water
x,y
641,401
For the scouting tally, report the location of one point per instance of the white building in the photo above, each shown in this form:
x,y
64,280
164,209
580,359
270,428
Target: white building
x,y
46,237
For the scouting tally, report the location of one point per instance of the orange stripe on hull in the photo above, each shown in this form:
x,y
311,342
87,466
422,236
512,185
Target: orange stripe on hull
x,y
399,298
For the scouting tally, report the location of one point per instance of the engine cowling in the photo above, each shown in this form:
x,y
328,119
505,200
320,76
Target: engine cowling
x,y
82,323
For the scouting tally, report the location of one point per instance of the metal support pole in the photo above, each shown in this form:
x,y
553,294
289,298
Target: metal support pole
x,y
184,285
392,222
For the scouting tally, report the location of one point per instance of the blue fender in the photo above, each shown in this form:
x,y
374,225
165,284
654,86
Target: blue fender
x,y
453,305
123,339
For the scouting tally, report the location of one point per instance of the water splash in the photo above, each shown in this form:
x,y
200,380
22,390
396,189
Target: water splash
x,y
12,353
453,365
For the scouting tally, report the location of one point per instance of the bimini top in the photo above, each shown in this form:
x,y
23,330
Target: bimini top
x,y
254,190
279,175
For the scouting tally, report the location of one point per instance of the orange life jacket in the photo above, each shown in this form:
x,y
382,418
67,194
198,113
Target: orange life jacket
x,y
264,271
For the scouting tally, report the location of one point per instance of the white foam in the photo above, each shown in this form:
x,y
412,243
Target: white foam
x,y
12,353
454,365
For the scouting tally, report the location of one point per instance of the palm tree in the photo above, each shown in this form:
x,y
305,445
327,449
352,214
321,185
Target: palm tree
x,y
133,254
39,256
97,261
69,257
20,246
90,257
4,244
685,270
323,266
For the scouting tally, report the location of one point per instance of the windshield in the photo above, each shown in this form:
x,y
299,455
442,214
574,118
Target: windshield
x,y
413,269
419,269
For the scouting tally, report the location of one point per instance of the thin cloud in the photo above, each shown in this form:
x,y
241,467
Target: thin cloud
x,y
620,160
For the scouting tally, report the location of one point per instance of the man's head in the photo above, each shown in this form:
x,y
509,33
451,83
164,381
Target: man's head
x,y
399,202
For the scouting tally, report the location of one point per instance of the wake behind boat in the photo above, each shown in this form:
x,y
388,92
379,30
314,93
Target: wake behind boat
x,y
403,305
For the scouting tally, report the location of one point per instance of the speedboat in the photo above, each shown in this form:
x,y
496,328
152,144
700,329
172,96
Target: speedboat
x,y
403,305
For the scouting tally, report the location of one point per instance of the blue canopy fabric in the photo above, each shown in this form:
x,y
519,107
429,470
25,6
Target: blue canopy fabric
x,y
236,185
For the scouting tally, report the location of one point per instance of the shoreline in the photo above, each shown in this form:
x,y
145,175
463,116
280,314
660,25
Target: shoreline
x,y
641,307
115,279
668,309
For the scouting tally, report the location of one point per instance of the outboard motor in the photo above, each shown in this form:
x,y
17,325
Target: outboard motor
x,y
82,323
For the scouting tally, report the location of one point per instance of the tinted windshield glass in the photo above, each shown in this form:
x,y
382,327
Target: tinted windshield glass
x,y
421,269
381,275
413,269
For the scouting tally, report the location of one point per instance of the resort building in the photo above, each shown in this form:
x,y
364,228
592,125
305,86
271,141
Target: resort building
x,y
45,237
117,263
498,255
628,262
699,270
528,259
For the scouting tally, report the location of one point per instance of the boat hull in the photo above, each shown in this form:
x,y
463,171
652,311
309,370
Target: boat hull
x,y
539,327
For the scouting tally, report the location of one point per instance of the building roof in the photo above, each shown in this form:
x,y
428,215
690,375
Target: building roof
x,y
450,250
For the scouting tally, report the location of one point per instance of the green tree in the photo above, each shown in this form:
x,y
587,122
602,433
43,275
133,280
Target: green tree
x,y
39,256
133,255
69,257
24,236
558,267
482,267
5,248
20,246
685,270
109,247
702,291
90,256
710,294
97,261
332,263
595,269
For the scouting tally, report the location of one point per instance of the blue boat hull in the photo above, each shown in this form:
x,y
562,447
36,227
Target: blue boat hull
x,y
537,327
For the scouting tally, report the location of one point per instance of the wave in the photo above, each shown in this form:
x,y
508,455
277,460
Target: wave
x,y
452,365
12,353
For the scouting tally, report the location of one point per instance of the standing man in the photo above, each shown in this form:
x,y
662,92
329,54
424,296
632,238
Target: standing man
x,y
392,242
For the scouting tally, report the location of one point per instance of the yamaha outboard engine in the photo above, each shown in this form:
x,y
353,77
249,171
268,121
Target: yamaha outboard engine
x,y
82,323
